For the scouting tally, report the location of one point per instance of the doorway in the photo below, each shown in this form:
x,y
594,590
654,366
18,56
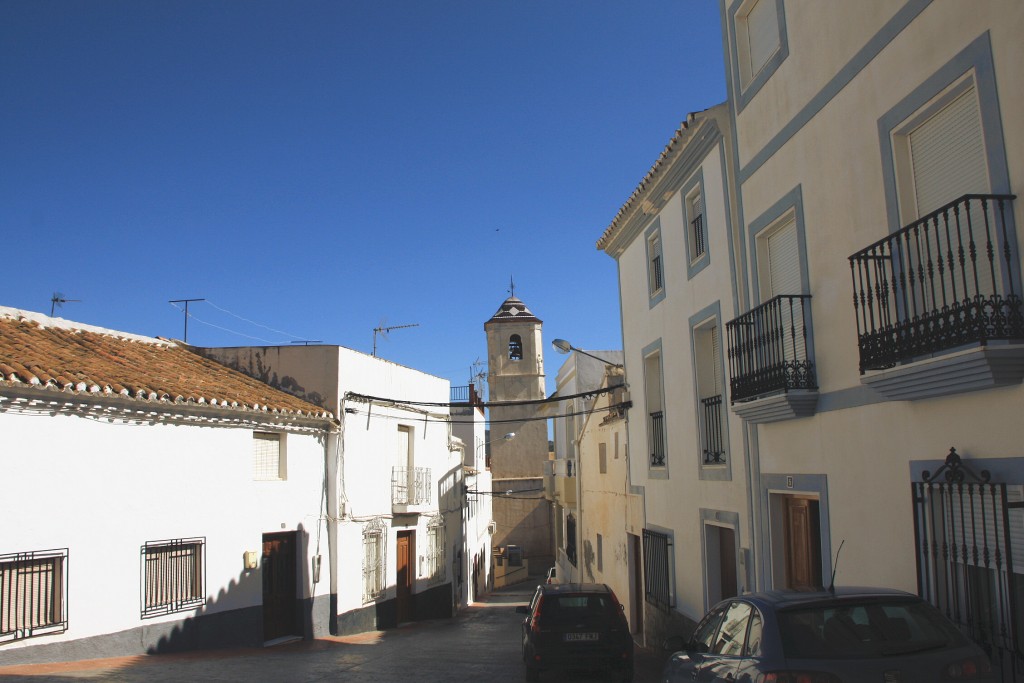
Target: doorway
x,y
280,586
405,559
802,531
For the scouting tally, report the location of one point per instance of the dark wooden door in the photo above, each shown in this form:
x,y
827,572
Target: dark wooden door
x,y
405,557
280,586
803,544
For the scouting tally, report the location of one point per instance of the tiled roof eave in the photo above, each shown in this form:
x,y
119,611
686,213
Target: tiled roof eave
x,y
58,399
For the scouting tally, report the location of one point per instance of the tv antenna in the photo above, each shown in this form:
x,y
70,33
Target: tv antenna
x,y
383,331
186,302
58,301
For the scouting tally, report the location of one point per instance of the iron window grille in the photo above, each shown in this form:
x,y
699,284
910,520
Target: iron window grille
x,y
698,236
374,536
410,485
657,569
714,451
657,419
173,576
570,538
33,594
436,565
768,351
943,281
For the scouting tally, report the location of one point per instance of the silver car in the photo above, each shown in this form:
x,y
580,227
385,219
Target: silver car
x,y
847,635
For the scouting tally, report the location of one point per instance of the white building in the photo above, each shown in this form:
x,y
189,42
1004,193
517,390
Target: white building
x,y
470,427
400,496
153,500
674,244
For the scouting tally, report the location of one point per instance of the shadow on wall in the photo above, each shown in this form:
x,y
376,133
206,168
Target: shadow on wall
x,y
279,583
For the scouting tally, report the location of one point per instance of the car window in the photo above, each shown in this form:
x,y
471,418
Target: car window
x,y
733,632
704,634
868,628
753,648
578,607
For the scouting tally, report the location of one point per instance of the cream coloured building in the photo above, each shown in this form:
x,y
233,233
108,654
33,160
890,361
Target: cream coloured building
x,y
871,326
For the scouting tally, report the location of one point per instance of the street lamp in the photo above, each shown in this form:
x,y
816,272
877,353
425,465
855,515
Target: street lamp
x,y
507,437
564,347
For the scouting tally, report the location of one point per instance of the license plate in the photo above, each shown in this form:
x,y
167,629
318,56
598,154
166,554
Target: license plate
x,y
581,636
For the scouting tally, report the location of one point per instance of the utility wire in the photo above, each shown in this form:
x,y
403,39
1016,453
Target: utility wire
x,y
624,404
495,403
251,322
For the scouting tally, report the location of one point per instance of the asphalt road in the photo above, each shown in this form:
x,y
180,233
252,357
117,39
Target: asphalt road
x,y
481,644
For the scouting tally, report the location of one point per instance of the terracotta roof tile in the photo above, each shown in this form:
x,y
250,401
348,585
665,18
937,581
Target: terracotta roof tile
x,y
56,354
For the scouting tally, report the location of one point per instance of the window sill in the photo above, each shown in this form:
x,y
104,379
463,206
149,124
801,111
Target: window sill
x,y
790,405
973,369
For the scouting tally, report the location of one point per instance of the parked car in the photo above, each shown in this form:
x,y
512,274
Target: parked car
x,y
576,626
552,575
847,635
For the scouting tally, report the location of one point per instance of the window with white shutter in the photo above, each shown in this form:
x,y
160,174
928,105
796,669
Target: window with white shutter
x,y
268,456
757,37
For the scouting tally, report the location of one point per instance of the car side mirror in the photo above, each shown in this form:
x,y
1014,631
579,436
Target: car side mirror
x,y
522,609
674,643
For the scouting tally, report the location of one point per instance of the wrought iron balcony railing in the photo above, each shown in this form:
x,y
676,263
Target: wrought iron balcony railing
x,y
714,453
656,434
946,280
410,485
768,348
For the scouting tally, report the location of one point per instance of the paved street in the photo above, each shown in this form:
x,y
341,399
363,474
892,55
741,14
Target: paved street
x,y
481,644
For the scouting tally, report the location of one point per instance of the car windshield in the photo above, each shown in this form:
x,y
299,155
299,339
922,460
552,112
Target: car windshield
x,y
867,628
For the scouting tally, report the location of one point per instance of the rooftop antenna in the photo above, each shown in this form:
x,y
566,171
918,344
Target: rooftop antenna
x,y
383,331
835,566
186,302
58,301
307,342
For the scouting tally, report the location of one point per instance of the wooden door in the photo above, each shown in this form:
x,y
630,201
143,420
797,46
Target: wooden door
x,y
405,558
803,544
280,586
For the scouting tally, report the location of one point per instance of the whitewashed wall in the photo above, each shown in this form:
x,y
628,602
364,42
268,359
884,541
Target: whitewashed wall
x,y
103,490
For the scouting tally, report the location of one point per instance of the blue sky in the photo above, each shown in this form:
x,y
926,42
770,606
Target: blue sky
x,y
323,168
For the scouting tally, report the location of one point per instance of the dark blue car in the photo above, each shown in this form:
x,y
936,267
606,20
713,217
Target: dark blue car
x,y
849,635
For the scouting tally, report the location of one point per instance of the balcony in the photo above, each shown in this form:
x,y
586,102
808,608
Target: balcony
x,y
410,489
656,435
938,303
714,452
771,369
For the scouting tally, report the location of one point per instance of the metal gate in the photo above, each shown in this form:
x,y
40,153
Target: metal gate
x,y
964,530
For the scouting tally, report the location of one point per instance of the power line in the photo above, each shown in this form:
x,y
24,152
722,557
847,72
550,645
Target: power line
x,y
366,398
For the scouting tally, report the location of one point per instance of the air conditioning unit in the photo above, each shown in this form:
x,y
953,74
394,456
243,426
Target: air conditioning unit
x,y
492,526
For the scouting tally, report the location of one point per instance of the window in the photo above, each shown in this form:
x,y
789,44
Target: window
x,y
655,264
268,456
780,274
374,536
657,569
758,37
435,550
33,587
939,157
710,410
600,553
173,576
515,347
655,409
602,457
695,219
655,275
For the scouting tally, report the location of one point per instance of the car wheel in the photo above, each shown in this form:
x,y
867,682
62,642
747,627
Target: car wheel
x,y
532,673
